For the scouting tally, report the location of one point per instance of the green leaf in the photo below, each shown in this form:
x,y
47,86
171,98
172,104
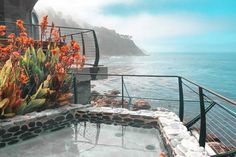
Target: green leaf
x,y
41,92
22,108
5,72
26,57
3,102
38,71
41,56
36,103
33,105
33,55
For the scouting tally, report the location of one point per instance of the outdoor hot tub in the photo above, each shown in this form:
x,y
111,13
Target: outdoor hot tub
x,y
89,139
82,130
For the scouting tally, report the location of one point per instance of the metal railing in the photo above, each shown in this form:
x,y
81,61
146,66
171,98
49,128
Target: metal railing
x,y
85,37
202,110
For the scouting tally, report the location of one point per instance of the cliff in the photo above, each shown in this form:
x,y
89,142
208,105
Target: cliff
x,y
110,42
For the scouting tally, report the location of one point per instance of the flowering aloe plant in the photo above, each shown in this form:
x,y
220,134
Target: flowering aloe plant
x,y
32,78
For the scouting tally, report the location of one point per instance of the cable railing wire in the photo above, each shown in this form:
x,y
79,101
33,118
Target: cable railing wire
x,y
217,114
219,131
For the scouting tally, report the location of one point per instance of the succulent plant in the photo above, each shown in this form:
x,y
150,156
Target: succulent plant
x,y
32,78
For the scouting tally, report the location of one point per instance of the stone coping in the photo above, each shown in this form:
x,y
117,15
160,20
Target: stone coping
x,y
24,127
178,141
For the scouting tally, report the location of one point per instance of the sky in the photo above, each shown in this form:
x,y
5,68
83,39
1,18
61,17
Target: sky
x,y
160,25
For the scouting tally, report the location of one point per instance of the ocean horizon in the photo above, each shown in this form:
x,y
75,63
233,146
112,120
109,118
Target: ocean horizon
x,y
215,71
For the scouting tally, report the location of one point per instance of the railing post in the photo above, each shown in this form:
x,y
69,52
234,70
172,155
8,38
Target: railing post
x,y
82,37
202,137
122,91
181,100
75,89
96,48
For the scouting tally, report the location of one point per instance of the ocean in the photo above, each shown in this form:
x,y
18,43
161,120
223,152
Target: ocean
x,y
216,71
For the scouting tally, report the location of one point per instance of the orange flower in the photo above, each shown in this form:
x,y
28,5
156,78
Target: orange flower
x,y
31,41
64,49
58,66
77,56
23,39
2,30
60,69
2,33
47,65
23,78
16,54
70,61
6,50
55,34
11,36
76,46
23,34
64,58
44,23
20,24
54,51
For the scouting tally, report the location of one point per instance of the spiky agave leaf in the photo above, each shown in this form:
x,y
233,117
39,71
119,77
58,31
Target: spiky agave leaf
x,y
33,55
3,102
31,106
5,72
36,101
41,56
41,92
38,72
11,98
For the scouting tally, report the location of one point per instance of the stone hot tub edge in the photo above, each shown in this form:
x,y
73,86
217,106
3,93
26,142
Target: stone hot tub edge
x,y
24,127
178,141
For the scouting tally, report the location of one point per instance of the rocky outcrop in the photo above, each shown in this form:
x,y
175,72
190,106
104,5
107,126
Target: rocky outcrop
x,y
111,99
110,42
215,142
104,101
141,105
113,44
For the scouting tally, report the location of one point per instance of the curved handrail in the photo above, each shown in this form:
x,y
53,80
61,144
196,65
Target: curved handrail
x,y
66,27
84,32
